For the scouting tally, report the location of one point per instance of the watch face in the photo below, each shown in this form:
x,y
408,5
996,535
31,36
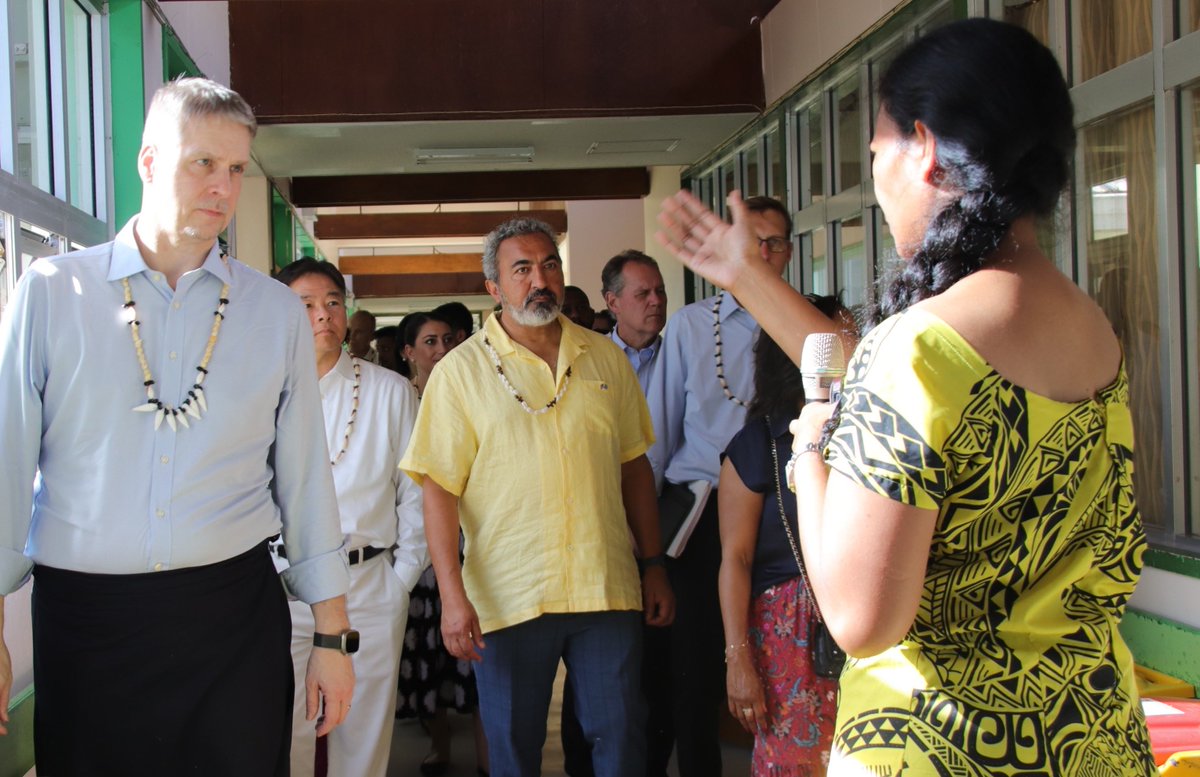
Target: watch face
x,y
351,641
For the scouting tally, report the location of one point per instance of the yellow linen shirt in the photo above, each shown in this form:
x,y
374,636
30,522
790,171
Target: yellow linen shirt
x,y
539,495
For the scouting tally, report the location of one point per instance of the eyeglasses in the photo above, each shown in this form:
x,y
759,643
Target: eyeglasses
x,y
775,245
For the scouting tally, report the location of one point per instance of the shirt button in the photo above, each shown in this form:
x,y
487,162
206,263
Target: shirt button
x,y
176,305
165,459
570,547
158,567
159,513
158,276
173,355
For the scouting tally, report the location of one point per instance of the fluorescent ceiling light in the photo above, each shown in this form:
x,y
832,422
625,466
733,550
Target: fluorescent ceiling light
x,y
447,156
657,146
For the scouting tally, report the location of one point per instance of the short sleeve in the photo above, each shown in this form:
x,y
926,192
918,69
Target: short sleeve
x,y
444,441
747,451
905,391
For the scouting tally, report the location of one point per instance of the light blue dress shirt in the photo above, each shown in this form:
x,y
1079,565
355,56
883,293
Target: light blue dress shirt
x,y
643,361
115,496
693,419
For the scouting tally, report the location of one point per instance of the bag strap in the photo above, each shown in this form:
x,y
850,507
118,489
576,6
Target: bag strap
x,y
787,527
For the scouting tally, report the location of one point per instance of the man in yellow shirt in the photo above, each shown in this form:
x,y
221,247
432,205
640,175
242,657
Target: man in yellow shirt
x,y
532,438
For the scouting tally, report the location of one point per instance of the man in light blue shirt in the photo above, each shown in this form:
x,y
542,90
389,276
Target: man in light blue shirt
x,y
697,397
635,294
165,396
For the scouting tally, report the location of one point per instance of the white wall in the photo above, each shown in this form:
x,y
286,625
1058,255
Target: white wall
x,y
203,27
798,36
664,182
597,230
252,224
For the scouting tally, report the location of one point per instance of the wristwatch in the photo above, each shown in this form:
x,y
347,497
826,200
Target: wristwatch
x,y
653,561
345,643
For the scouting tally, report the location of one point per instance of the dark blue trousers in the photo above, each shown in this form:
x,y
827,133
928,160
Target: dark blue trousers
x,y
603,654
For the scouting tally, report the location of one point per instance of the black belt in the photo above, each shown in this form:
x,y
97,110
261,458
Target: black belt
x,y
357,555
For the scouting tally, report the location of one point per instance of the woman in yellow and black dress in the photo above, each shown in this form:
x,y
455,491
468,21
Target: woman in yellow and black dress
x,y
969,529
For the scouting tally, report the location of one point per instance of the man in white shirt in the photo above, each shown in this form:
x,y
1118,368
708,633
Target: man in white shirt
x,y
369,414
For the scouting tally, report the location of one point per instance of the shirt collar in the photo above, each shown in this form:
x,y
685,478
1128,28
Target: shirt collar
x,y
729,306
652,347
344,366
127,257
573,342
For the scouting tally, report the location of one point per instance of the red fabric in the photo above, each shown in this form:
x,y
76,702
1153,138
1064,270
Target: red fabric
x,y
801,707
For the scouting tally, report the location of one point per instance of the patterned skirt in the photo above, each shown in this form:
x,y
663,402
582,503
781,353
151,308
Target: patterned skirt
x,y
431,678
801,707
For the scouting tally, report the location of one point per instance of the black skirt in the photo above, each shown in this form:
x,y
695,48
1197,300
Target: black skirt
x,y
184,672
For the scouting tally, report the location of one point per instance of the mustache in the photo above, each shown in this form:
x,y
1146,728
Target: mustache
x,y
541,294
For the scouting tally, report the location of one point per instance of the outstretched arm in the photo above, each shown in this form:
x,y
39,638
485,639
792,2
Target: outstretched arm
x,y
727,255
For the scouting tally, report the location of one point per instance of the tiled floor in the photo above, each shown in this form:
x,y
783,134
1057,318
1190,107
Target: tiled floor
x,y
410,744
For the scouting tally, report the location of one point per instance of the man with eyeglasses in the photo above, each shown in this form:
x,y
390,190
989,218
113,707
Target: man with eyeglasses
x,y
697,397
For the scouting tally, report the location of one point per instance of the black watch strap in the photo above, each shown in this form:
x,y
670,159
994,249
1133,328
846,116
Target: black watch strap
x,y
652,561
345,642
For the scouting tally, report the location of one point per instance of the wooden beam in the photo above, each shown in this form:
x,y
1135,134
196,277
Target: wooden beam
x,y
475,224
501,186
410,264
451,284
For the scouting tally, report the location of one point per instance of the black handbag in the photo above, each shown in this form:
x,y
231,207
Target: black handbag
x,y
824,654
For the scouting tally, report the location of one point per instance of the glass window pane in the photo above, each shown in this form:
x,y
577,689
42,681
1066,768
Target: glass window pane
x,y
7,276
1119,223
848,147
1034,16
80,128
815,185
31,91
1109,33
776,172
852,262
750,185
815,253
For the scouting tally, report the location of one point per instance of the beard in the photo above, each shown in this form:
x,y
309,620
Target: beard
x,y
540,308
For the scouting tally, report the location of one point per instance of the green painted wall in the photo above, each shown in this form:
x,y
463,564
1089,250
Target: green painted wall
x,y
128,109
1163,645
16,749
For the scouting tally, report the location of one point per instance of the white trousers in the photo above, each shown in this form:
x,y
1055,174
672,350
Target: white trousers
x,y
378,608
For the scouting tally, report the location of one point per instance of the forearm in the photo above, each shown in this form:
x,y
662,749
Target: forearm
x,y
733,587
641,506
330,615
441,533
779,309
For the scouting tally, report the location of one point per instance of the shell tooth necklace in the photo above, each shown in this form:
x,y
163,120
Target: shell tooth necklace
x,y
195,402
716,311
487,344
353,411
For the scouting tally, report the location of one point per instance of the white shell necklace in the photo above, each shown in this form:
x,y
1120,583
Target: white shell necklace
x,y
194,403
716,311
513,390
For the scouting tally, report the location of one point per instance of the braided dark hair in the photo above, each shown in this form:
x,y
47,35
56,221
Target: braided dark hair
x,y
996,102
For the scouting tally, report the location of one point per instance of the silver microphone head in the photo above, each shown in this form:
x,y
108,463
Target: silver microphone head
x,y
822,364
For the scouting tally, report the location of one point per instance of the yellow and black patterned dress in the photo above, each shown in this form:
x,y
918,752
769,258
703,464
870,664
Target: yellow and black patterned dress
x,y
1014,665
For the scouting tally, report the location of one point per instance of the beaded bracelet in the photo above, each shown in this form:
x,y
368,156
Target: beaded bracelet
x,y
789,469
731,649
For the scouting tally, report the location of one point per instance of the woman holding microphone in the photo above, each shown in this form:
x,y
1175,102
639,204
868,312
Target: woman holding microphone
x,y
967,517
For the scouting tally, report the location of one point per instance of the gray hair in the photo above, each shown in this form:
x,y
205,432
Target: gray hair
x,y
515,227
185,99
612,277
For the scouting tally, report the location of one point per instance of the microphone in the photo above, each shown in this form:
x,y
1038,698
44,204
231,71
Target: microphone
x,y
822,367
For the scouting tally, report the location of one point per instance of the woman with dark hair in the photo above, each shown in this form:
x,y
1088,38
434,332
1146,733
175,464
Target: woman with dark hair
x,y
766,606
424,340
969,528
431,680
